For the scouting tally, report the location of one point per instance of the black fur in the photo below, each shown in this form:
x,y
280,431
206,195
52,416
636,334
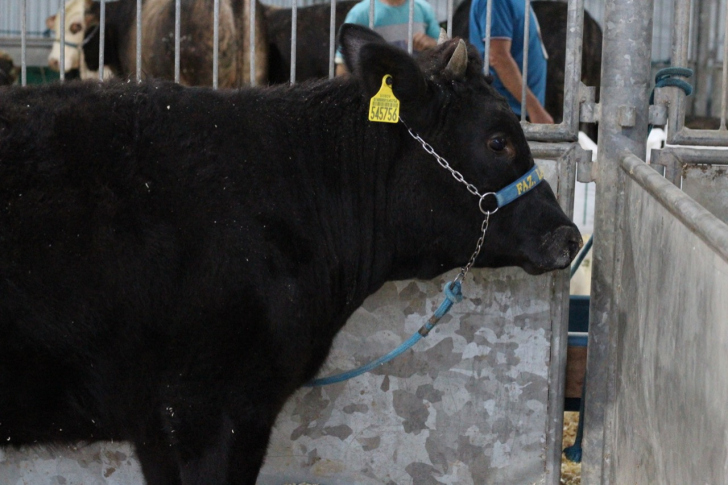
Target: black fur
x,y
175,262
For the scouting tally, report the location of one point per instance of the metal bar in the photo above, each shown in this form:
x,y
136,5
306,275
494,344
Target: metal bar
x,y
139,41
707,156
699,220
670,164
177,24
215,42
686,136
680,33
294,38
560,326
706,54
524,73
549,151
371,14
252,42
560,132
23,39
486,49
411,27
102,37
332,39
724,96
572,68
62,45
625,85
449,19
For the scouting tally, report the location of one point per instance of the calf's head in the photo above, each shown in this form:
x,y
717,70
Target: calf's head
x,y
74,32
433,220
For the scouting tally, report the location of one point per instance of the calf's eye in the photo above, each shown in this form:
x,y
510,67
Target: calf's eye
x,y
76,28
497,144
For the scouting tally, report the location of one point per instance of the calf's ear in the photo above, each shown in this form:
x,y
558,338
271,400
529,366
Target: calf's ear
x,y
351,39
369,57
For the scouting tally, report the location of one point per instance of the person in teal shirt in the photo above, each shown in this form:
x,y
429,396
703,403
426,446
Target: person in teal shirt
x,y
506,54
391,21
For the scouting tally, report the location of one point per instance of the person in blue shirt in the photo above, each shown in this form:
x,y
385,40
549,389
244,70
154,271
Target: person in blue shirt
x,y
506,54
391,21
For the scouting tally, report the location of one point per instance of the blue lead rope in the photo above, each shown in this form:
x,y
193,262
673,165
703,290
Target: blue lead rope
x,y
453,294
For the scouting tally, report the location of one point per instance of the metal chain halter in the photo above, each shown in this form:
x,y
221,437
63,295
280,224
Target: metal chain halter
x,y
471,188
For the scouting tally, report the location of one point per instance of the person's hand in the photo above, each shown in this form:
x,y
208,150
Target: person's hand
x,y
422,41
540,115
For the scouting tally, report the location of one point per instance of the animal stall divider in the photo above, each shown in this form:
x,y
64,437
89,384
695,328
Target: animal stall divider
x,y
657,334
480,404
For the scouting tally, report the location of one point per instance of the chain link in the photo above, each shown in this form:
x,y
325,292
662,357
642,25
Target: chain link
x,y
464,270
471,188
457,175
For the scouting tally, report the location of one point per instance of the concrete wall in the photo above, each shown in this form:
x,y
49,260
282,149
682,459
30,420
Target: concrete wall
x,y
671,425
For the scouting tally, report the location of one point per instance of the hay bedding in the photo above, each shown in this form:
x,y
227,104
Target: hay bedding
x,y
570,471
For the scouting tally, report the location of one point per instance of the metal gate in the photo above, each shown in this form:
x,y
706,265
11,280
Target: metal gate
x,y
657,342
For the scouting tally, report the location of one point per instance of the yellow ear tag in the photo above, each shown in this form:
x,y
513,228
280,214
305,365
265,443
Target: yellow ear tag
x,y
384,107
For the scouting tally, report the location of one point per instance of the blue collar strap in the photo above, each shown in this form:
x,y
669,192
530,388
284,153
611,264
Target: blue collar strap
x,y
524,184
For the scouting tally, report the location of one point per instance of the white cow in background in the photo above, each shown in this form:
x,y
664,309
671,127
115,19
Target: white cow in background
x,y
75,27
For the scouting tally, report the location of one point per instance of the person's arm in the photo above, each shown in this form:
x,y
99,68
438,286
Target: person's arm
x,y
355,16
510,75
427,39
422,41
341,69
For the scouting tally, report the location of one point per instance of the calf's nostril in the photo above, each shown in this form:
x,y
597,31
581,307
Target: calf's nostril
x,y
569,239
574,246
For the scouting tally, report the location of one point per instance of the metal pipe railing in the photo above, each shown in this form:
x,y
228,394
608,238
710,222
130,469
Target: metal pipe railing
x,y
139,41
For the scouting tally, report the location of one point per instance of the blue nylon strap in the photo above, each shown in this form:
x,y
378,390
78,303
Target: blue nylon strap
x,y
525,183
453,294
365,368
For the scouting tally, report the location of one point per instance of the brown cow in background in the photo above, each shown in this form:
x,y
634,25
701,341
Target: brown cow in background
x,y
8,69
196,41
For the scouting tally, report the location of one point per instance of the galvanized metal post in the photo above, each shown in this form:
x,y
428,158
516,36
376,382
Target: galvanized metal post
x,y
252,24
294,38
177,28
62,45
102,37
215,42
332,40
625,90
139,41
410,26
707,16
23,42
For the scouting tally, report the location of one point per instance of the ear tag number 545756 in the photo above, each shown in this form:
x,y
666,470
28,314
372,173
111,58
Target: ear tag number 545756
x,y
384,107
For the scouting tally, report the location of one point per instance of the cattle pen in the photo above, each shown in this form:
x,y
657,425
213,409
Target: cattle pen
x,y
481,400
